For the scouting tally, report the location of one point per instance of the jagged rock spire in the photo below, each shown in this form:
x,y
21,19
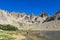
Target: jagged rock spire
x,y
15,14
23,14
44,14
31,16
26,18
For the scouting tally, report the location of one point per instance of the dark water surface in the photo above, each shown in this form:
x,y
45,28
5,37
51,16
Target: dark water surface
x,y
45,35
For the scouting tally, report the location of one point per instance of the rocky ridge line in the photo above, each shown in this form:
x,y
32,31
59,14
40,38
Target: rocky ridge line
x,y
23,21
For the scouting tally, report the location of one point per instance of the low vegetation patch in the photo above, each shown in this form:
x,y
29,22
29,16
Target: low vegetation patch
x,y
8,27
6,35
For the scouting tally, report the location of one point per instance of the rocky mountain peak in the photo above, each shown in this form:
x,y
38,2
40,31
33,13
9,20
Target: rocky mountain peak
x,y
21,19
23,14
32,16
44,14
15,14
57,15
2,12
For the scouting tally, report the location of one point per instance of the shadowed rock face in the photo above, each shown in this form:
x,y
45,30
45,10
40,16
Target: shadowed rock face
x,y
55,17
26,18
49,19
59,18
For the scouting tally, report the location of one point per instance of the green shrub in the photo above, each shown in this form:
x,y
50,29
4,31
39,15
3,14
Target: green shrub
x,y
8,27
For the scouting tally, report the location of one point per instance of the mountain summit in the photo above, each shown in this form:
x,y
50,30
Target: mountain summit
x,y
23,21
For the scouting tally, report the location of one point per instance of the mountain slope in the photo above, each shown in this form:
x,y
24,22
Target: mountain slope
x,y
27,22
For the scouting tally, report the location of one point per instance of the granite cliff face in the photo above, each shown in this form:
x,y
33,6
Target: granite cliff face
x,y
23,21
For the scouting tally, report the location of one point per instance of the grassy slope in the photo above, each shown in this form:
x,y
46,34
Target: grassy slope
x,y
8,31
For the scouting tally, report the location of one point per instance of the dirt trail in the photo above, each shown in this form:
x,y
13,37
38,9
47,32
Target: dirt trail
x,y
19,37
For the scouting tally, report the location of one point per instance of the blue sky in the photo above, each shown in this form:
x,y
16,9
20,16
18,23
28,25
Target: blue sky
x,y
31,6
